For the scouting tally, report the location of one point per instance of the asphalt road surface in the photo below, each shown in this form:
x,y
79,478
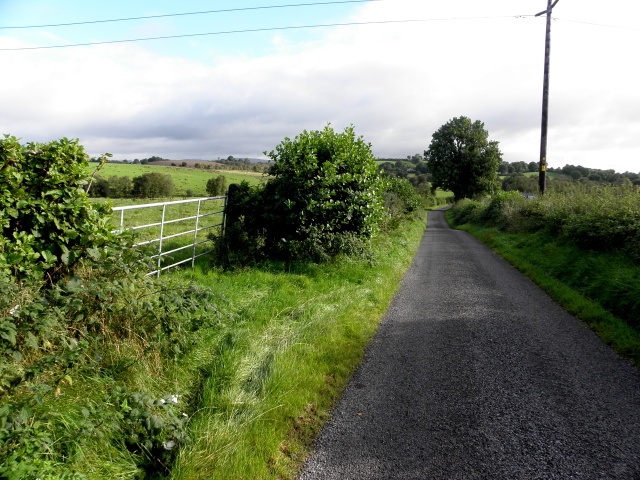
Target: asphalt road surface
x,y
476,374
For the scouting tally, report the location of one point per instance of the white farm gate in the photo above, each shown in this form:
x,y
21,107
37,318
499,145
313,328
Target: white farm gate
x,y
167,223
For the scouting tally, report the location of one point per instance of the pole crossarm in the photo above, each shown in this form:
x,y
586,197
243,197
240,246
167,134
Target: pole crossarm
x,y
548,10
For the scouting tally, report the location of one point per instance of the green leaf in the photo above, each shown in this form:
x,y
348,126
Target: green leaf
x,y
48,257
14,258
31,340
68,257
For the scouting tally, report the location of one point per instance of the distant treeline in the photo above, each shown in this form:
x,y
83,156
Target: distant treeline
x,y
230,163
512,174
403,167
514,178
246,164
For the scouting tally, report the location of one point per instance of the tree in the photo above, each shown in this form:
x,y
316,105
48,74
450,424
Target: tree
x,y
216,186
462,159
152,185
519,182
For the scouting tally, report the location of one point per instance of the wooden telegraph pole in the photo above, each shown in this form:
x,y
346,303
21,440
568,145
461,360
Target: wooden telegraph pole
x,y
542,182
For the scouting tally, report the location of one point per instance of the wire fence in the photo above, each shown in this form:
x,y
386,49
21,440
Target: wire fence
x,y
162,229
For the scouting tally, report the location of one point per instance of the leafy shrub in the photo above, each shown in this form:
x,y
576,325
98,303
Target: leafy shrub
x,y
120,187
594,217
504,209
152,427
400,199
324,197
47,223
405,192
327,180
55,336
604,218
152,185
466,211
217,186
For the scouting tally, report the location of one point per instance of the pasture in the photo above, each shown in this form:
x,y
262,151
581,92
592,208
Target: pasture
x,y
184,178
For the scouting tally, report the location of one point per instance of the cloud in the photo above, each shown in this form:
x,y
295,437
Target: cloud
x,y
397,83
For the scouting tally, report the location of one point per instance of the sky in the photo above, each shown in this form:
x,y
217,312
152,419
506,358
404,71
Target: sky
x,y
239,79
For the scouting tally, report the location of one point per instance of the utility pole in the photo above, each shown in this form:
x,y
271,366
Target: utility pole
x,y
542,181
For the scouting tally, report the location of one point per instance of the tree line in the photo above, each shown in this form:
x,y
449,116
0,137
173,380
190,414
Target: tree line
x,y
462,159
147,185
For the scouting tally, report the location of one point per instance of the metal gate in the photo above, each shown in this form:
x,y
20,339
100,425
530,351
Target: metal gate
x,y
171,226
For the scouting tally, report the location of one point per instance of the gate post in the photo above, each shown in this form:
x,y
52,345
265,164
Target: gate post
x,y
230,209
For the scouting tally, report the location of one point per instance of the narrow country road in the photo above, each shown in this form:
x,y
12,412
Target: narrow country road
x,y
476,374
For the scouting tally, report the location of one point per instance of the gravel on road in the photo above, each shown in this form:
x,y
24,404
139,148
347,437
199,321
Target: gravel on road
x,y
475,373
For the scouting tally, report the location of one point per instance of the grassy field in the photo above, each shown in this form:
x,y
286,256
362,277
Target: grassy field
x,y
184,179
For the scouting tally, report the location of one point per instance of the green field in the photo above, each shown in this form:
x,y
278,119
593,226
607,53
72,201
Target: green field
x,y
184,179
184,228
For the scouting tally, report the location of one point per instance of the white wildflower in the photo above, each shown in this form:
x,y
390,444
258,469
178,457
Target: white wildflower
x,y
169,445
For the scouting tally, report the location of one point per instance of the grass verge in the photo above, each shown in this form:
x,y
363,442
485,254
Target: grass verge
x,y
596,287
200,374
262,385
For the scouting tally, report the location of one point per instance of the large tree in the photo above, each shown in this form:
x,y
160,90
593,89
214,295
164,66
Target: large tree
x,y
462,159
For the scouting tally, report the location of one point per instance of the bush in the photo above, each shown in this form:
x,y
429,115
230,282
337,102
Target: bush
x,y
400,200
120,187
152,185
466,211
78,331
604,218
324,199
597,217
47,223
504,208
403,190
217,186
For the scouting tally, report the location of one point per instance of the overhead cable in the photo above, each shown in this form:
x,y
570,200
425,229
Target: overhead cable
x,y
251,30
263,7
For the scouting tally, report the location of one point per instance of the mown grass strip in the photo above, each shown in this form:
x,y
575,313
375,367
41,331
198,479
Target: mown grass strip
x,y
269,379
572,277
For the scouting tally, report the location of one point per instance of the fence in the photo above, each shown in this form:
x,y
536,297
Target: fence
x,y
171,226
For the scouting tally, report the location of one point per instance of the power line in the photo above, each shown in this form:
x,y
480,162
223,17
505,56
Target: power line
x,y
597,24
188,13
252,30
299,27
